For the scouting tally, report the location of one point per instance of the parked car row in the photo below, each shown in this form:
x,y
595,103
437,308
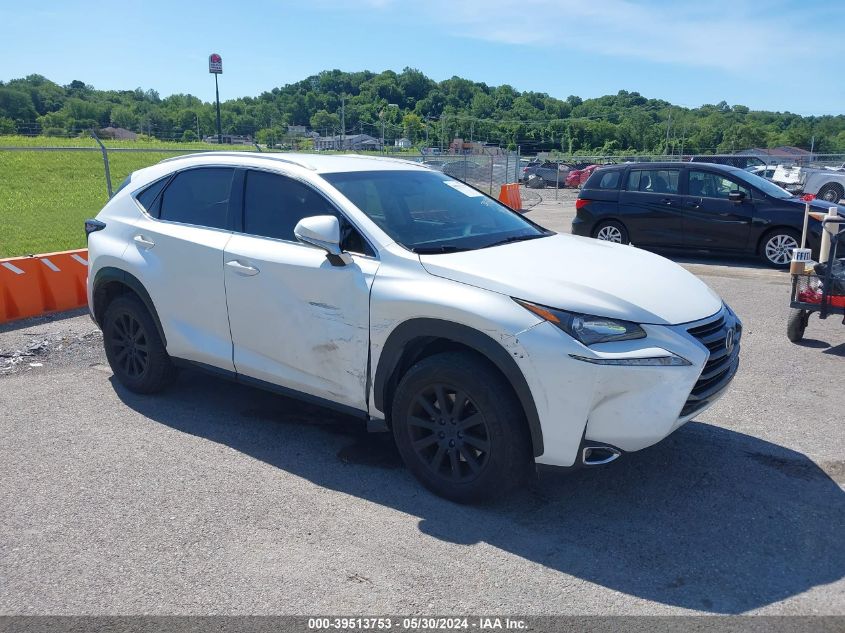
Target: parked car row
x,y
553,174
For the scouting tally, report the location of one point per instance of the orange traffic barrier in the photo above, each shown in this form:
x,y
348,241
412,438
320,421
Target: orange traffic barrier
x,y
509,195
40,284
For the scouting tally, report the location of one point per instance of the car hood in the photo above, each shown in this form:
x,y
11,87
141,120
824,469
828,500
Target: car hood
x,y
584,275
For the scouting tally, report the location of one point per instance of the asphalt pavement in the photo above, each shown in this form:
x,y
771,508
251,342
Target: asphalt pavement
x,y
214,498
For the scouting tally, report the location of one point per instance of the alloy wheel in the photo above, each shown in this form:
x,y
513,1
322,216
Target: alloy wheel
x,y
609,234
129,343
779,249
448,433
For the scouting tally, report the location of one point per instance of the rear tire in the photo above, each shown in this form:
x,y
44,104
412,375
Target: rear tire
x,y
460,429
611,231
831,192
134,349
796,324
776,247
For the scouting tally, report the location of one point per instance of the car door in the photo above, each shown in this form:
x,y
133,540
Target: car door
x,y
297,321
650,206
177,254
710,219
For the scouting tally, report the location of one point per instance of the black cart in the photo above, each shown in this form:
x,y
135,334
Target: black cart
x,y
822,290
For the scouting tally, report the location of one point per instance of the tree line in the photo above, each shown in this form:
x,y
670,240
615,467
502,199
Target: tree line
x,y
410,104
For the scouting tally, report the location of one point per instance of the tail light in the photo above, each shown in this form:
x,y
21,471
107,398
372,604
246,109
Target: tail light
x,y
580,203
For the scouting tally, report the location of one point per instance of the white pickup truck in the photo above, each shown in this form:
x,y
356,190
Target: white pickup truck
x,y
826,183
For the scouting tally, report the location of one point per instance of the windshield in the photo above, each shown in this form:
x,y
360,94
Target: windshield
x,y
766,186
428,212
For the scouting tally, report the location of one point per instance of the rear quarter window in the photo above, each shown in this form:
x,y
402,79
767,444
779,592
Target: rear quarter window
x,y
149,198
602,179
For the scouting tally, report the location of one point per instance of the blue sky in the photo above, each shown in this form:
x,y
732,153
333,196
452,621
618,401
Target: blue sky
x,y
772,54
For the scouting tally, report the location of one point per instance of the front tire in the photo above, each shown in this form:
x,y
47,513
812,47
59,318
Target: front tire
x,y
134,349
460,429
776,247
611,231
796,324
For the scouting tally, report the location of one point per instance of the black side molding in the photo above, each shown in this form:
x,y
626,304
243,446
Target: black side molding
x,y
109,274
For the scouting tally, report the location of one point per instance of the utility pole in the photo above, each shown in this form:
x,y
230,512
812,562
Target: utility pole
x,y
343,121
668,126
219,129
199,136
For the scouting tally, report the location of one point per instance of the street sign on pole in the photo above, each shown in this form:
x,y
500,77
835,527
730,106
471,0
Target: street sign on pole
x,y
215,67
215,64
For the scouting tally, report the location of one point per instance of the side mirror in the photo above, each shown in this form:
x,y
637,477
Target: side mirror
x,y
322,231
736,196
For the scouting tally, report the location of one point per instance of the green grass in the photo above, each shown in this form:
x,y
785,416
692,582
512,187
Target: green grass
x,y
87,141
46,196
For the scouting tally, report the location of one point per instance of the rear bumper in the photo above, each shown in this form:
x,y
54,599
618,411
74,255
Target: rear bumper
x,y
581,226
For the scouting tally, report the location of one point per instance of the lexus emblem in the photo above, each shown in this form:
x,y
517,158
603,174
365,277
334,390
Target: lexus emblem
x,y
729,340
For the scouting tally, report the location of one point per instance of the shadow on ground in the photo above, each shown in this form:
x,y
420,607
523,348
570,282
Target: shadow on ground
x,y
709,519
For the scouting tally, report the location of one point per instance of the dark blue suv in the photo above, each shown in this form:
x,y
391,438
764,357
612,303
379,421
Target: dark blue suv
x,y
695,207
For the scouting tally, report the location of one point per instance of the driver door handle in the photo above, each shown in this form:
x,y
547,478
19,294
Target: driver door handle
x,y
143,242
242,269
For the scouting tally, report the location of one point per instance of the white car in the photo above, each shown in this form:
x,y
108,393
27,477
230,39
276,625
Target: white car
x,y
411,301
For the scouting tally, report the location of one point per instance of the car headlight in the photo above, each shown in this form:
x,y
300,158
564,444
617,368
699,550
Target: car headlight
x,y
586,328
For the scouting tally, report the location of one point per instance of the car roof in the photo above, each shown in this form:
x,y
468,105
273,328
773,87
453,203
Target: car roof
x,y
319,163
678,164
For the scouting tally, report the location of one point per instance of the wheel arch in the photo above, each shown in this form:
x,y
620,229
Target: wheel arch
x,y
418,338
110,282
774,229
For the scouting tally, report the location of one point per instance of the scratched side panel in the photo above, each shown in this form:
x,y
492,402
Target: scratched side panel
x,y
300,322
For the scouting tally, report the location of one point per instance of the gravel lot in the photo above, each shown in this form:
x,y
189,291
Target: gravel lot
x,y
215,498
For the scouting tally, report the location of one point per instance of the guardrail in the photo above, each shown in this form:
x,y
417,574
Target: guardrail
x,y
41,284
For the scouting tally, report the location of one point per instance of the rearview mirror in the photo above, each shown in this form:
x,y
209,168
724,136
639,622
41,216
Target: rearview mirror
x,y
322,231
736,196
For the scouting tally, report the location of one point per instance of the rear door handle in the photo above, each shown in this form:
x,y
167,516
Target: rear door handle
x,y
143,242
667,201
242,269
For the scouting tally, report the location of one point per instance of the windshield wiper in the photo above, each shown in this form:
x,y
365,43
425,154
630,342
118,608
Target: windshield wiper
x,y
516,238
434,250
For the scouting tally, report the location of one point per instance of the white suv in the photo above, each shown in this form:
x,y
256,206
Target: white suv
x,y
413,302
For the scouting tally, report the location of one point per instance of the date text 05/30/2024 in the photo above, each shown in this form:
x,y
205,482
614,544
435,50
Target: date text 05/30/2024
x,y
481,623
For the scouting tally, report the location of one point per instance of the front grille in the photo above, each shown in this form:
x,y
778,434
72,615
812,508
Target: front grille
x,y
721,365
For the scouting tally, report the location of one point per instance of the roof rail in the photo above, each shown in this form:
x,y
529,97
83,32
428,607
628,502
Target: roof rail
x,y
214,152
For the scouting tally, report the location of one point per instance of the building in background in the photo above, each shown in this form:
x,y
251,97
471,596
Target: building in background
x,y
403,143
230,139
358,142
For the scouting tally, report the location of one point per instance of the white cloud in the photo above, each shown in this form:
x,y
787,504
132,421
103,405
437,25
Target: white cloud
x,y
772,38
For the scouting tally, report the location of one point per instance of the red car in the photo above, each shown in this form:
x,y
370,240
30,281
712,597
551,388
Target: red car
x,y
578,177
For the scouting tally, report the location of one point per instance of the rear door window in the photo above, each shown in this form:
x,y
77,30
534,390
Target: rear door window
x,y
199,196
653,180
